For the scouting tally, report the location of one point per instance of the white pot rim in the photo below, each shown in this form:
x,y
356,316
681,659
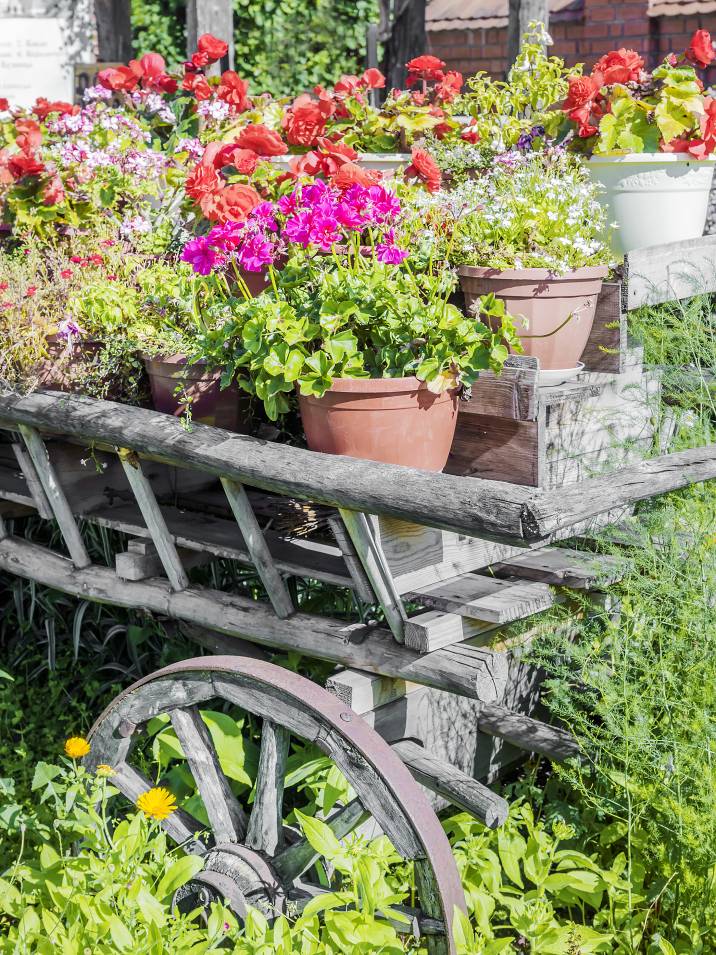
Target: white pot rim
x,y
648,159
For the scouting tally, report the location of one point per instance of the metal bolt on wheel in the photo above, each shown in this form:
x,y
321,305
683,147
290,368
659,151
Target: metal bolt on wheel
x,y
249,861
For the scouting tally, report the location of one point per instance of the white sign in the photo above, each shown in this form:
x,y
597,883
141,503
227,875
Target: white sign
x,y
34,60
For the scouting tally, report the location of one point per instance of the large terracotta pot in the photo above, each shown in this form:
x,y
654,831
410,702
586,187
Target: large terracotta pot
x,y
394,420
178,387
654,198
544,302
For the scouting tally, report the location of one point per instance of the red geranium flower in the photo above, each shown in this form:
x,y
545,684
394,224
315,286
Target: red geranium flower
x,y
151,70
66,274
424,68
618,66
22,164
243,160
372,79
119,79
701,50
213,48
470,136
233,90
424,167
54,192
231,204
351,174
261,140
201,181
449,86
4,104
29,134
43,107
304,122
347,85
326,103
196,83
583,90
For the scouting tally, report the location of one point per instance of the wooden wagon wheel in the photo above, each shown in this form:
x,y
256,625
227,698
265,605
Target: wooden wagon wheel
x,y
248,859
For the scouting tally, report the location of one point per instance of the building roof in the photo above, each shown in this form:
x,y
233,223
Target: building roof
x,y
679,8
483,14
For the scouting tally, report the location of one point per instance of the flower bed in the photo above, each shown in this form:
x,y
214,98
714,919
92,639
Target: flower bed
x,y
280,245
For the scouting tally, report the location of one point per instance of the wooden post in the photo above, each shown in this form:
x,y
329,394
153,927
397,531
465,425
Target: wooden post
x,y
114,31
522,13
215,17
407,38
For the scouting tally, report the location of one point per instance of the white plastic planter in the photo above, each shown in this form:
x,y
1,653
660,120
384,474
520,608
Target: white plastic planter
x,y
654,198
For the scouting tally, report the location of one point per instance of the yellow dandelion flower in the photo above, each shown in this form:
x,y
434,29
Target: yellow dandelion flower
x,y
157,803
76,747
104,770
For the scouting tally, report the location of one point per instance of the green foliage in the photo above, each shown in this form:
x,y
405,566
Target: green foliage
x,y
636,690
282,46
533,210
361,319
502,111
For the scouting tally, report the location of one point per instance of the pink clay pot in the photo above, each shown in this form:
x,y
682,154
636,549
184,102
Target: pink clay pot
x,y
544,301
201,393
394,420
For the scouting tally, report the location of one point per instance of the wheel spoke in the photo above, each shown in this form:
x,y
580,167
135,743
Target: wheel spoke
x,y
429,895
227,818
417,924
294,861
180,825
265,829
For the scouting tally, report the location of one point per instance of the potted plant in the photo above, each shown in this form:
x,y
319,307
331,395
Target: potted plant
x,y
370,345
650,139
528,230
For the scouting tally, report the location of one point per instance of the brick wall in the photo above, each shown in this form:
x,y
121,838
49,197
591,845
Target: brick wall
x,y
603,26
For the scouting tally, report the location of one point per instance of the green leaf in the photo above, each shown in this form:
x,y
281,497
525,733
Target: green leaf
x,y
120,934
180,872
44,774
320,836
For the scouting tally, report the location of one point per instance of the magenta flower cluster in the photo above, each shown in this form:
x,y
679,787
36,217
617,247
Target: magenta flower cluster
x,y
315,216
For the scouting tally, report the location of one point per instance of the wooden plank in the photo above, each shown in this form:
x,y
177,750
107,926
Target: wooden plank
x,y
462,670
138,564
511,394
452,784
419,555
265,830
215,17
434,629
377,570
34,485
496,449
154,519
227,818
564,567
483,597
55,496
606,349
219,537
364,692
665,273
481,508
528,734
362,586
260,554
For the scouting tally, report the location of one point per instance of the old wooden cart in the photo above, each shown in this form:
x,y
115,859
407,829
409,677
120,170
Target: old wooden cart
x,y
433,694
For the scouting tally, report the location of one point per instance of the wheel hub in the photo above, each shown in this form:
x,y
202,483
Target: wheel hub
x,y
238,876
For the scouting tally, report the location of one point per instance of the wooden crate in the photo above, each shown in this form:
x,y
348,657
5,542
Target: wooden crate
x,y
516,430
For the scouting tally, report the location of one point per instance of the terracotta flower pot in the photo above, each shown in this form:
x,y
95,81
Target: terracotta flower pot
x,y
66,364
178,387
545,302
394,420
